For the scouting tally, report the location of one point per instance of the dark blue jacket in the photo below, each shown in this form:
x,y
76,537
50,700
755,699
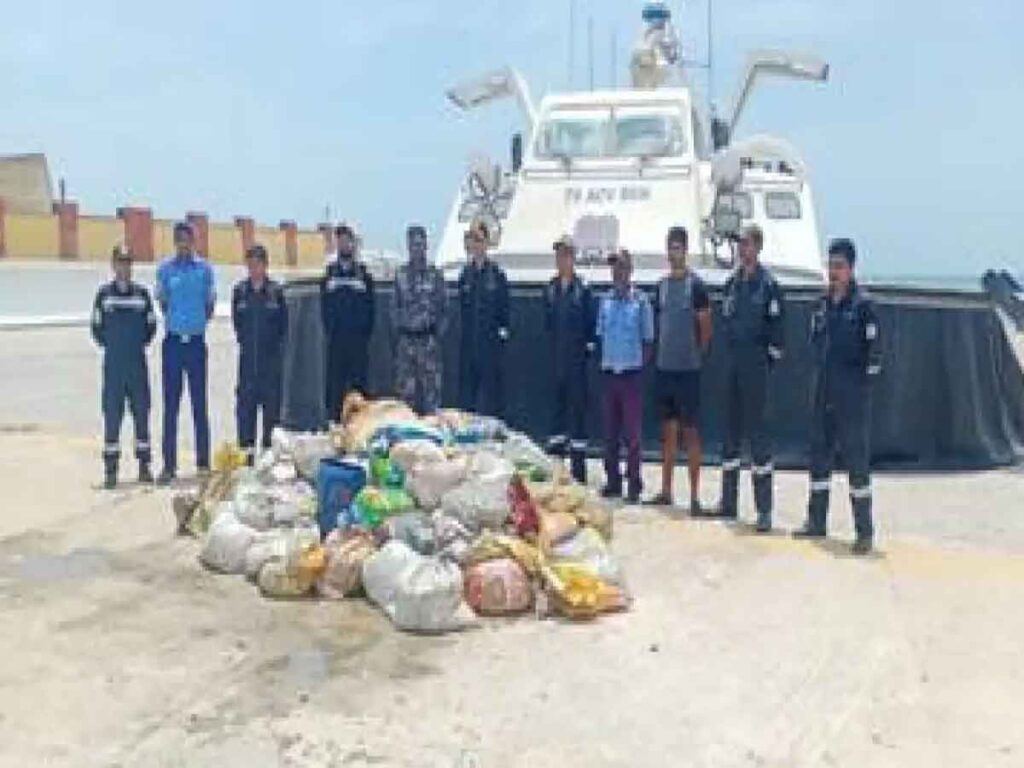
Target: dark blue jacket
x,y
846,341
570,315
123,324
346,301
484,305
260,319
753,313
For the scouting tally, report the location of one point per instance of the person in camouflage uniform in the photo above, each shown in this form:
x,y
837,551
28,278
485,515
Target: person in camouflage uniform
x,y
418,320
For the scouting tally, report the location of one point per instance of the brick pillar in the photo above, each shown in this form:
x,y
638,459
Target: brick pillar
x,y
201,228
3,228
328,234
138,232
291,242
67,229
248,228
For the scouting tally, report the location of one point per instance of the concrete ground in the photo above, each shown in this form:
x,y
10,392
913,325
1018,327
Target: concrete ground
x,y
117,648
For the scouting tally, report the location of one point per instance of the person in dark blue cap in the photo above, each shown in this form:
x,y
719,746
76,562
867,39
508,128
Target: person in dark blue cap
x,y
753,313
570,315
347,311
123,325
260,318
847,351
186,292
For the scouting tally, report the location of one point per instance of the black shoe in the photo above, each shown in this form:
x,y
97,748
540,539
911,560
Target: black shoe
x,y
166,477
862,546
110,480
633,497
764,524
611,492
719,512
145,475
660,500
808,531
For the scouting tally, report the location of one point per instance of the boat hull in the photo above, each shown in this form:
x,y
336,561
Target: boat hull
x,y
951,394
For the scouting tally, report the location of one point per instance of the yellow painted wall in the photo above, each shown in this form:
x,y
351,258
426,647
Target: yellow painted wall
x,y
311,249
272,239
97,237
225,244
163,238
31,236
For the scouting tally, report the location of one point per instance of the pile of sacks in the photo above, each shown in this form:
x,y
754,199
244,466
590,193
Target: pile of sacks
x,y
438,521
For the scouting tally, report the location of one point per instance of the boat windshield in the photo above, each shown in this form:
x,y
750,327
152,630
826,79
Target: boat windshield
x,y
610,133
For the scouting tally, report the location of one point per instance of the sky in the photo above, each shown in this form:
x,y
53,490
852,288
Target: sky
x,y
281,110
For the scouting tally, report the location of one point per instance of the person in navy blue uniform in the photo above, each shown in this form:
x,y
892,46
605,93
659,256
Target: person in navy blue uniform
x,y
347,311
260,318
847,351
123,325
186,292
570,316
484,312
753,311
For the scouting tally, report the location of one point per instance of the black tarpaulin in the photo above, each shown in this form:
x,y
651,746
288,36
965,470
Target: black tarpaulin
x,y
951,394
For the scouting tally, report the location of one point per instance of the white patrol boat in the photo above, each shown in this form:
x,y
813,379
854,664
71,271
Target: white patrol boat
x,y
616,168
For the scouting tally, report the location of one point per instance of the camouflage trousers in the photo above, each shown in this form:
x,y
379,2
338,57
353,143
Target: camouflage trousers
x,y
418,369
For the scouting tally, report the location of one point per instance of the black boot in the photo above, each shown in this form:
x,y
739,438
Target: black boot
x,y
110,477
862,523
145,474
578,465
763,501
728,502
817,513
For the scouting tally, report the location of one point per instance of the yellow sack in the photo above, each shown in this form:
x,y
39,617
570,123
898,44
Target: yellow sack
x,y
578,594
496,546
597,516
227,458
554,528
310,565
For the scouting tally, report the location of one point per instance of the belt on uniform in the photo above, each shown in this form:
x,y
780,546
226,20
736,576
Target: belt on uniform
x,y
184,338
623,372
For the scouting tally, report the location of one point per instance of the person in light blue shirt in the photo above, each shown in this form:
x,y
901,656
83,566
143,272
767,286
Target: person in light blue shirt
x,y
625,327
186,292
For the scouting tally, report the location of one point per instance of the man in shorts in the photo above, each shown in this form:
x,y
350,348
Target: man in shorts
x,y
683,324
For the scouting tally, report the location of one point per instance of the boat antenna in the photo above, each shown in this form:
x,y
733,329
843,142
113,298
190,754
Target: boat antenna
x,y
711,51
614,57
590,49
572,39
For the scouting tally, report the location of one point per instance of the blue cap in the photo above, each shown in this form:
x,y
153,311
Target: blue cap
x,y
656,12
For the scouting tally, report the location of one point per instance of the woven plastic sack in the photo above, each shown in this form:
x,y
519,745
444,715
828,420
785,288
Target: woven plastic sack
x,y
307,451
429,481
345,554
498,588
589,550
577,594
266,546
419,594
478,503
226,543
527,456
415,529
